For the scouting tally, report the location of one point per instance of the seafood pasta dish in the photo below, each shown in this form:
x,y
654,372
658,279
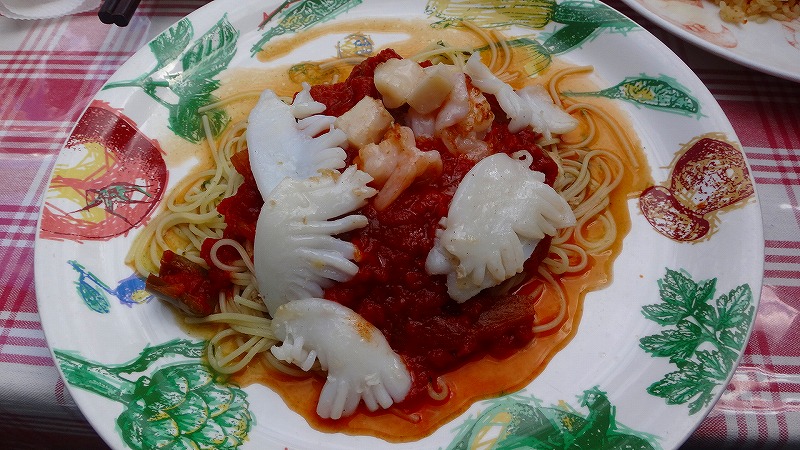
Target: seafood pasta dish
x,y
385,241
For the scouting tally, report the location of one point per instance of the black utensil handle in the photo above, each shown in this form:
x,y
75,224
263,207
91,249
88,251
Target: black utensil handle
x,y
123,12
107,11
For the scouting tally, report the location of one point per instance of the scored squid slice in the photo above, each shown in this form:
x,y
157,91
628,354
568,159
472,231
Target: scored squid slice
x,y
296,253
280,145
530,106
500,211
361,365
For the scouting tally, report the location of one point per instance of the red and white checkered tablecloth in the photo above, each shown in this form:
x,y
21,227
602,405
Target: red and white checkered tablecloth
x,y
50,69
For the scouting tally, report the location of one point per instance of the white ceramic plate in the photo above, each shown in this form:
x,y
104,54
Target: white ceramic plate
x,y
125,359
771,47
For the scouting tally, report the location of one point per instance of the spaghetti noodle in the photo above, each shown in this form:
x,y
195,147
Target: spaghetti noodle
x,y
586,178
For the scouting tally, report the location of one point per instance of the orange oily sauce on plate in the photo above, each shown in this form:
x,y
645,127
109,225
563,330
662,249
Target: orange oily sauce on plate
x,y
478,378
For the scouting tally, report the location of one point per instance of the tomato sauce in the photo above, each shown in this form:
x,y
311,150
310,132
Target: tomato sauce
x,y
413,310
193,288
187,285
483,347
392,289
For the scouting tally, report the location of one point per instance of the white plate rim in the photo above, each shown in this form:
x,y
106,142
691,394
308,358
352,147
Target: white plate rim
x,y
726,53
48,320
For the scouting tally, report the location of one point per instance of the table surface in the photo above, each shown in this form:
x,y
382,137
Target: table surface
x,y
50,69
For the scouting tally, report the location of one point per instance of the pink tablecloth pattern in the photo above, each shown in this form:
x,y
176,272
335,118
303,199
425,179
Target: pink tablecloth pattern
x,y
49,70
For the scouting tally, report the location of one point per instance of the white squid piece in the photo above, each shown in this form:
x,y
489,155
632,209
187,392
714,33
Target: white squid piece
x,y
295,252
531,106
360,364
280,146
500,211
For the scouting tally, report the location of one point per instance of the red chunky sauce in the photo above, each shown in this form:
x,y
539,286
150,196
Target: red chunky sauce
x,y
340,97
188,285
433,333
392,291
193,288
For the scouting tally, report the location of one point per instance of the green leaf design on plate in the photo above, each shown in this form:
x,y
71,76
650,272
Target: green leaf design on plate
x,y
568,37
298,15
517,422
183,405
209,55
661,93
534,57
194,85
187,123
704,338
581,21
169,45
583,12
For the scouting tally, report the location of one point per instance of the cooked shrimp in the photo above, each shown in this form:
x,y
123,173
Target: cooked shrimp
x,y
465,135
395,163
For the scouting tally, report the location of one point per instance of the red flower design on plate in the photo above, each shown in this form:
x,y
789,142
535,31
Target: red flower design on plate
x,y
108,180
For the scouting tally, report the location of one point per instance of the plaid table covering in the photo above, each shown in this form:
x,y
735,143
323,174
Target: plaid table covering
x,y
49,71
